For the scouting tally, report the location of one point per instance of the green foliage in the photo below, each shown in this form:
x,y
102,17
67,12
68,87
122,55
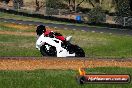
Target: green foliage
x,y
96,15
123,8
56,4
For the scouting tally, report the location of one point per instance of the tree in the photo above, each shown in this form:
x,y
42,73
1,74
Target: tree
x,y
17,4
73,4
91,3
130,3
56,4
123,10
5,1
39,4
96,15
123,7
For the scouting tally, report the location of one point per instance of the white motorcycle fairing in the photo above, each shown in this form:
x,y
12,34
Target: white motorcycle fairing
x,y
61,52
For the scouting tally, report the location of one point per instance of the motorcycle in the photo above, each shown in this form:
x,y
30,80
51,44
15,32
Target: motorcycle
x,y
52,46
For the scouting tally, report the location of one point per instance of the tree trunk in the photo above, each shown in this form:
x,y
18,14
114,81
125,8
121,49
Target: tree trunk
x,y
91,3
130,3
37,5
17,4
72,5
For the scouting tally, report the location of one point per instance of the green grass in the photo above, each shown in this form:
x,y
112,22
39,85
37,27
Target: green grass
x,y
17,45
95,44
56,78
102,45
12,45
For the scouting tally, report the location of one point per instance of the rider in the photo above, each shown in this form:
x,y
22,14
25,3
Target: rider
x,y
41,29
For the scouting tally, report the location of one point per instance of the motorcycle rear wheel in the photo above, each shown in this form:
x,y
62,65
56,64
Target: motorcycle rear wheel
x,y
79,52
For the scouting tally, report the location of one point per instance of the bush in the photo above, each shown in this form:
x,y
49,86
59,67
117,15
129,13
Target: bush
x,y
96,15
123,10
56,4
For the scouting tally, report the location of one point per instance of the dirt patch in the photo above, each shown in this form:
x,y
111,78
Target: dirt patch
x,y
22,27
32,63
19,26
25,27
18,33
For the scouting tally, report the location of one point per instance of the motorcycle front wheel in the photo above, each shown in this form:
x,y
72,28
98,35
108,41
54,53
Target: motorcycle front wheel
x,y
48,52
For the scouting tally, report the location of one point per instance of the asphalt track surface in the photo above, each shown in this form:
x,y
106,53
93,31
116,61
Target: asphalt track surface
x,y
73,27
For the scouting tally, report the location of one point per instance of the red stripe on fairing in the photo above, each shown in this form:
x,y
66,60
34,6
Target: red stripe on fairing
x,y
60,38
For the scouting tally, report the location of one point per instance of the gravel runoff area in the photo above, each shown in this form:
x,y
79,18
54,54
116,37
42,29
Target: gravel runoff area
x,y
32,63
